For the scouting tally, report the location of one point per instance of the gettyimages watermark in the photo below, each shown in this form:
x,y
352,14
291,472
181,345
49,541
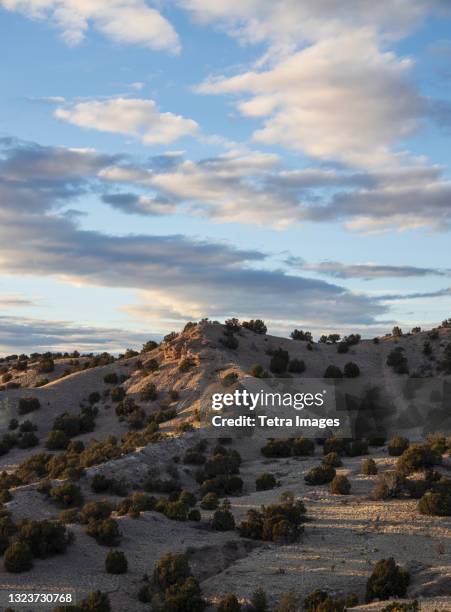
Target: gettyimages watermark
x,y
319,408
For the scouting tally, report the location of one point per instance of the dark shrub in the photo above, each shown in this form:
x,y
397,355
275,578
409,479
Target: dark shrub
x,y
186,364
210,501
223,519
258,371
387,580
299,334
356,448
277,522
340,485
296,366
369,467
351,370
398,606
111,378
68,516
106,532
334,445
46,365
222,485
194,515
18,558
229,603
321,601
319,475
342,347
151,365
390,485
397,446
333,372
229,341
117,394
149,394
265,482
116,562
57,440
67,494
279,361
170,570
257,326
259,601
302,447
94,398
44,538
398,361
188,498
277,448
28,404
436,504
96,601
95,510
332,460
417,457
27,440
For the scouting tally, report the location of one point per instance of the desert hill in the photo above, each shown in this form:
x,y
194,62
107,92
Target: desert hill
x,y
137,419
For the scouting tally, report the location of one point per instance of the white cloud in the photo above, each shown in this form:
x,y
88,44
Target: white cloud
x,y
124,21
130,116
340,98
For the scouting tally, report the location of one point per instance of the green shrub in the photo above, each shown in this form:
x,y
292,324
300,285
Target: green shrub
x,y
256,325
44,538
340,485
357,447
28,404
265,482
296,366
259,601
397,446
418,457
369,467
111,378
277,522
333,372
210,501
389,485
67,494
149,393
186,364
302,447
105,532
387,580
334,445
320,474
321,601
116,562
188,498
223,519
46,365
229,341
398,606
95,510
398,361
435,503
222,485
258,371
351,370
277,448
279,361
94,397
332,459
57,440
229,603
117,394
170,570
69,516
96,601
18,558
194,515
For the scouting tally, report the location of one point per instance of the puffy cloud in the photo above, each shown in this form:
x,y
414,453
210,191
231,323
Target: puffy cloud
x,y
339,98
370,271
123,21
130,116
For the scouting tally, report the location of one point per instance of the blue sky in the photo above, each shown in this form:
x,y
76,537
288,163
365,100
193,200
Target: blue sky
x,y
163,162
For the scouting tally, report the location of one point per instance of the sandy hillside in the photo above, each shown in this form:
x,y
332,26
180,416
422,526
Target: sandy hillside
x,y
344,536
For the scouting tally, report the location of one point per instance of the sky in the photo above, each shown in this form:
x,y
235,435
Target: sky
x,y
166,161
